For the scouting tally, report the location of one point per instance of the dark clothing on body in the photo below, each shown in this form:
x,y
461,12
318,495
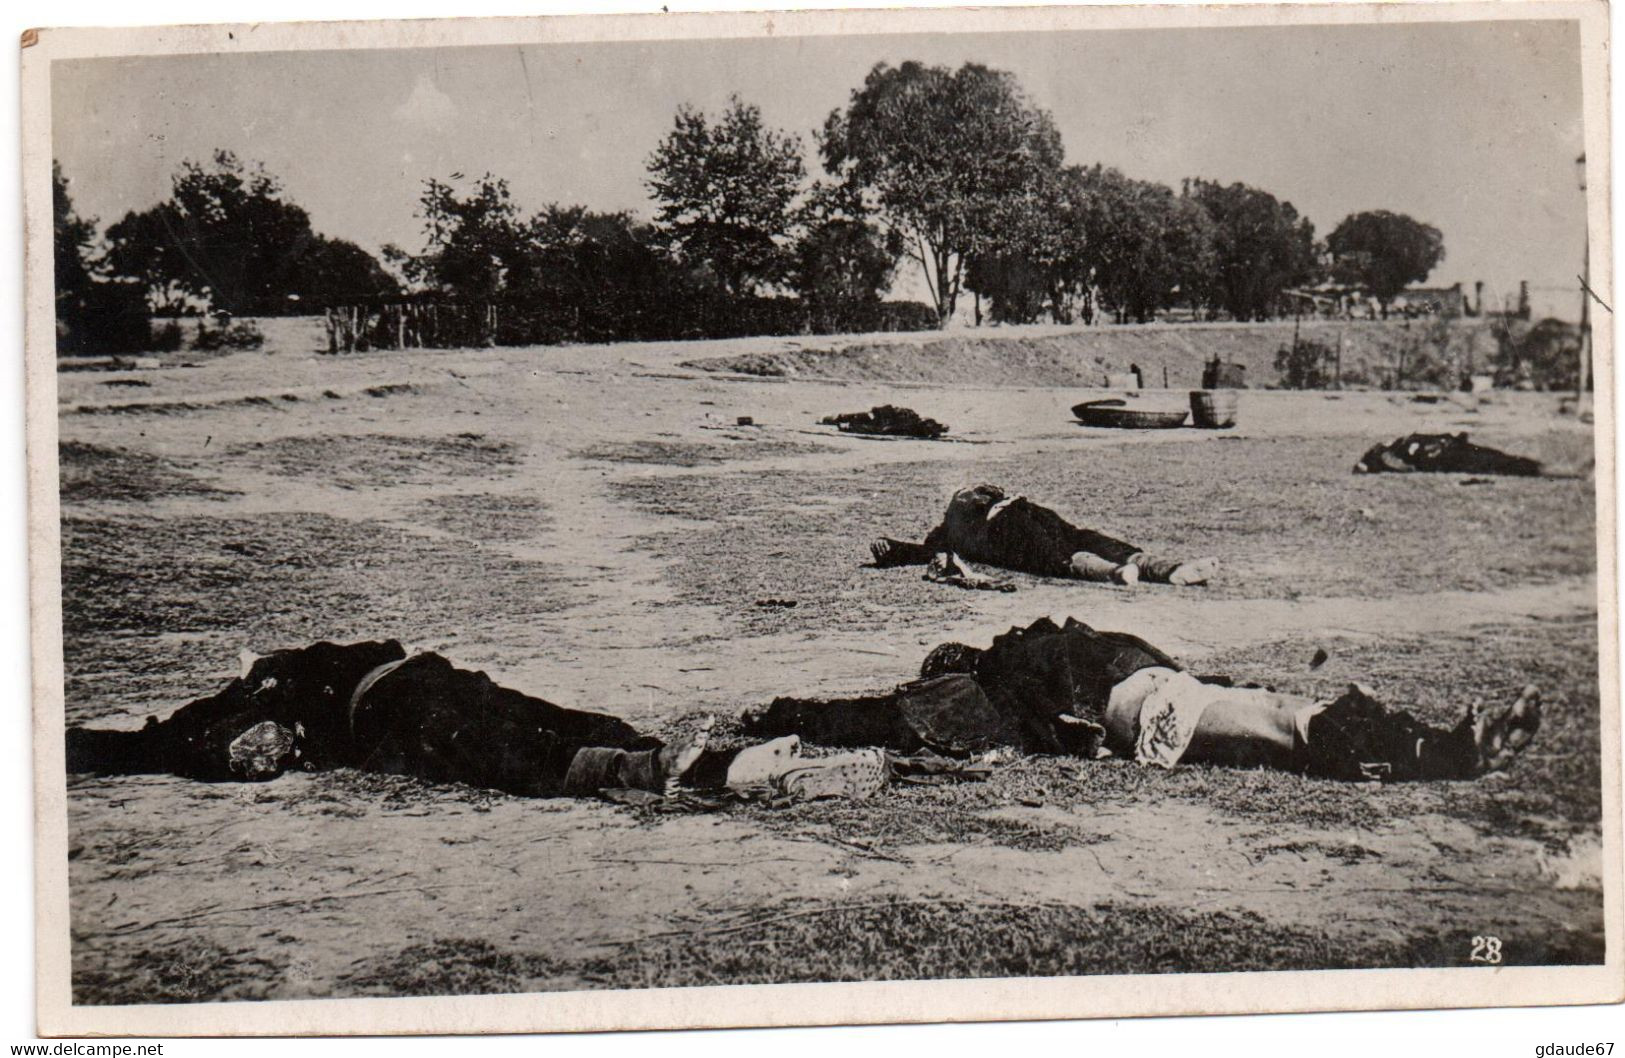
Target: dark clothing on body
x,y
1017,691
1013,693
419,716
1030,538
1357,739
887,421
1443,453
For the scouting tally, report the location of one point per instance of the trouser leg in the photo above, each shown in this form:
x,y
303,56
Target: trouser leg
x,y
115,752
594,768
1356,738
1088,566
1109,548
1155,568
431,720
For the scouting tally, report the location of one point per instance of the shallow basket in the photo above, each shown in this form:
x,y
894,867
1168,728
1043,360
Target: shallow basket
x,y
1112,414
1213,409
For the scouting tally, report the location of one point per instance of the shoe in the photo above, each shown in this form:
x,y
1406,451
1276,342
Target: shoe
x,y
1196,571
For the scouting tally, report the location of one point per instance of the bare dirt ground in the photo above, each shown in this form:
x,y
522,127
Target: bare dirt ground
x,y
591,525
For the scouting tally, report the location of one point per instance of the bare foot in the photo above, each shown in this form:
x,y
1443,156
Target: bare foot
x,y
1196,571
1502,738
882,551
677,757
1127,575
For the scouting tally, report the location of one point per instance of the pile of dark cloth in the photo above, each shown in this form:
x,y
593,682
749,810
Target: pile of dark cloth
x,y
887,421
1443,453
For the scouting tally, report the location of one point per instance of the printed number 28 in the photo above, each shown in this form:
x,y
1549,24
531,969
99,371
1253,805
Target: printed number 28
x,y
1486,949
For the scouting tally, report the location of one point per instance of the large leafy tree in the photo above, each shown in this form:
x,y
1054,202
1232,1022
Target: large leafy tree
x,y
843,262
228,236
604,276
1034,262
147,247
1144,247
726,189
1384,252
1098,241
565,273
948,159
327,269
477,246
1261,247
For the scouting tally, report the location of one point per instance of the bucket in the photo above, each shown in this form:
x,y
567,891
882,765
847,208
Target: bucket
x,y
1213,409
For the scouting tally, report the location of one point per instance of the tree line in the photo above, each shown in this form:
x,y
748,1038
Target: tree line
x,y
954,173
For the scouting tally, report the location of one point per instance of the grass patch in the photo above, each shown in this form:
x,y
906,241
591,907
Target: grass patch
x,y
194,971
485,516
1285,516
898,939
918,815
91,472
353,461
183,587
455,967
691,453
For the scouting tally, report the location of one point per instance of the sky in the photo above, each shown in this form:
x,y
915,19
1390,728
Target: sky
x,y
1471,127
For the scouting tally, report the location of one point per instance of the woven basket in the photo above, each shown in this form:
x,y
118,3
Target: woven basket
x,y
1213,409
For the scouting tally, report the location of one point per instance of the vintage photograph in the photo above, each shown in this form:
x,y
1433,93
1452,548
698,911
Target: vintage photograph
x,y
582,508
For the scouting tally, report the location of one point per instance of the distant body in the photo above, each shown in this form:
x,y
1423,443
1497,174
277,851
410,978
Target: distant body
x,y
1444,453
983,524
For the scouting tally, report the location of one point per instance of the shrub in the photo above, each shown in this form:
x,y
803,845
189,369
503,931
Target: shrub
x,y
104,317
238,335
1305,364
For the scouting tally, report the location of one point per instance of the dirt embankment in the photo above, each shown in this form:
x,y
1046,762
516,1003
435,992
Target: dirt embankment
x,y
1083,357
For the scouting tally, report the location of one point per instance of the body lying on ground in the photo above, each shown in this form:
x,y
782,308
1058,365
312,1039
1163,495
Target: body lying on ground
x,y
1045,689
372,707
984,525
1443,453
1069,689
886,420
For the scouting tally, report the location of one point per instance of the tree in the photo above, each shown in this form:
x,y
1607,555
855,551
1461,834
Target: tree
x,y
476,245
1384,252
1034,263
227,236
725,190
93,314
1096,240
1143,247
73,239
1261,247
337,270
843,261
145,248
946,158
604,276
